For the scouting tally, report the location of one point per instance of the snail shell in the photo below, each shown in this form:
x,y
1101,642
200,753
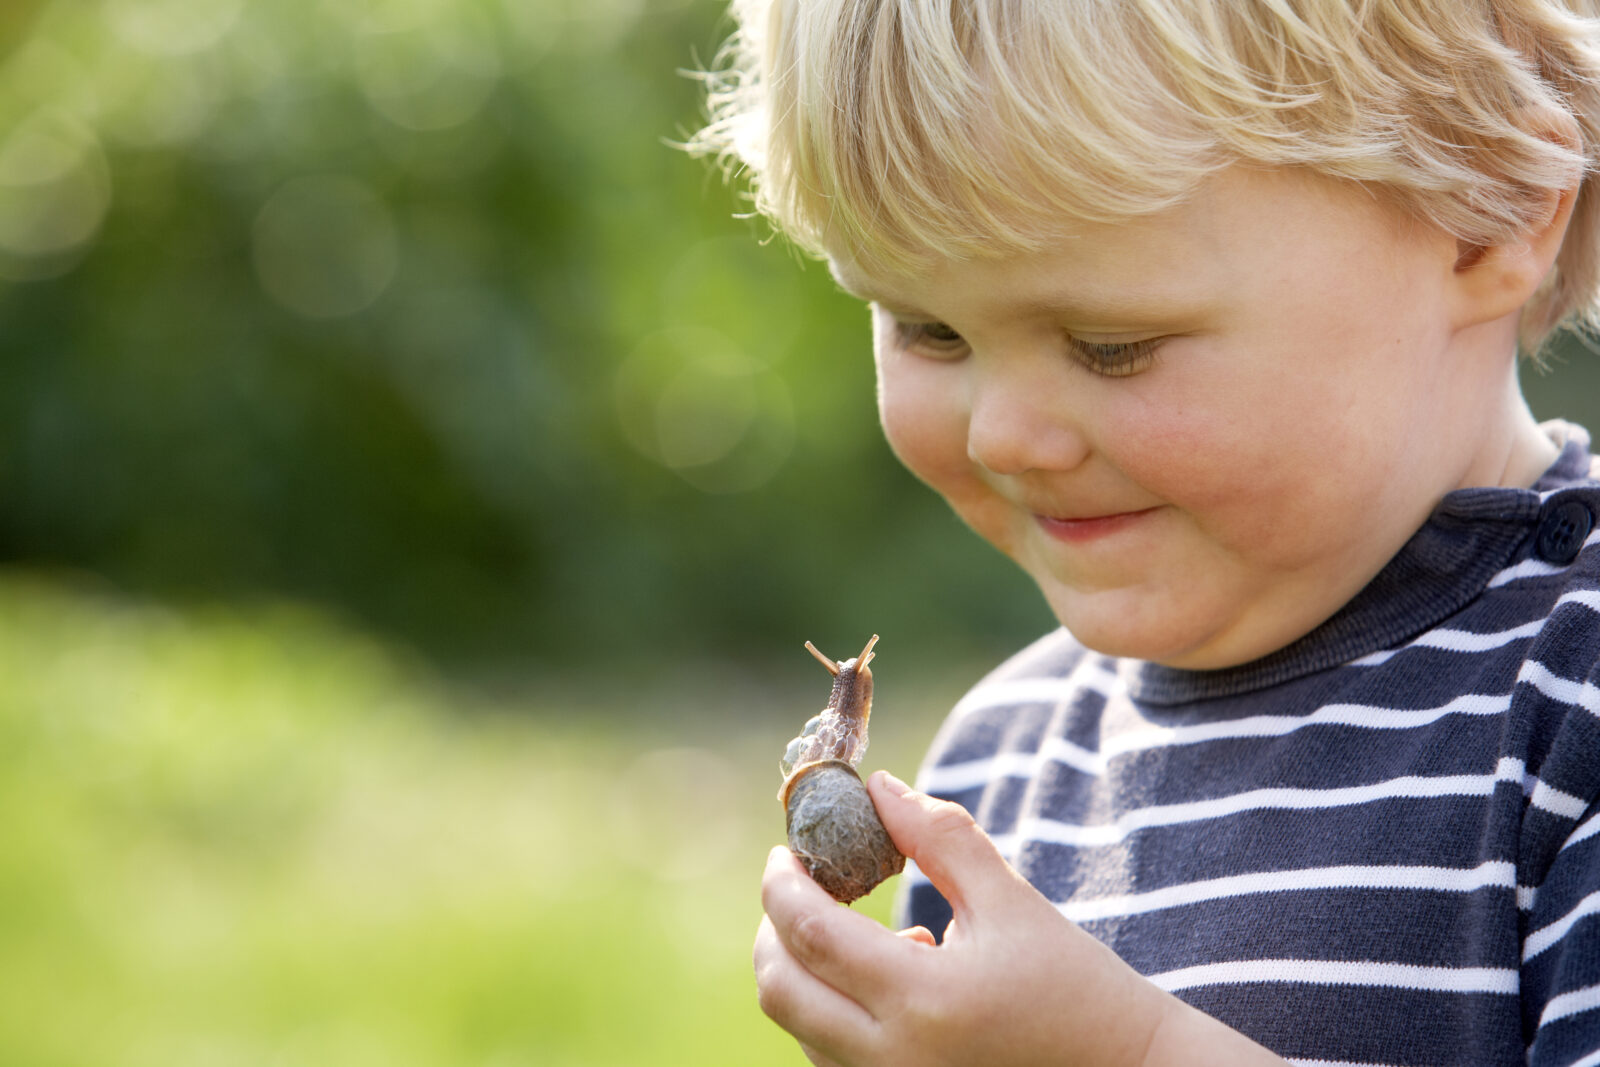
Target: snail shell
x,y
832,826
835,831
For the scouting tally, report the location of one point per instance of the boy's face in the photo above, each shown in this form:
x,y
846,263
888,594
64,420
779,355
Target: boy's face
x,y
1203,431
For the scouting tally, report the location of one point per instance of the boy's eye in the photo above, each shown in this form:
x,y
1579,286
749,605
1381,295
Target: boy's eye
x,y
933,339
1116,360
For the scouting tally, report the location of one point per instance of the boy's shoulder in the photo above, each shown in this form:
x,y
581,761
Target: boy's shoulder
x,y
1551,590
986,719
1013,709
1053,655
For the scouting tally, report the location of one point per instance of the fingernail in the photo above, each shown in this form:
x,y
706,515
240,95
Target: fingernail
x,y
894,785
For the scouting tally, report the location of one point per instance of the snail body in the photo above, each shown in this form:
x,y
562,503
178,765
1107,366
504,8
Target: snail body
x,y
832,825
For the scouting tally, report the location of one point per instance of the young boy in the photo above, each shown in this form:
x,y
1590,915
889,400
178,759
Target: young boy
x,y
1207,313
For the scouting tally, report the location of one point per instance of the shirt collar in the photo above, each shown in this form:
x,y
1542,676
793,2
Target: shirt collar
x,y
1471,536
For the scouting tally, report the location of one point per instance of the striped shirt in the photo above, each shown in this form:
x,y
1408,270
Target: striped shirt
x,y
1379,845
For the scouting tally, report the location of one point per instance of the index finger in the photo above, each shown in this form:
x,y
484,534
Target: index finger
x,y
850,952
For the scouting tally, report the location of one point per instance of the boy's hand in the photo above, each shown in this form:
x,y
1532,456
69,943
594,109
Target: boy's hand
x,y
1013,983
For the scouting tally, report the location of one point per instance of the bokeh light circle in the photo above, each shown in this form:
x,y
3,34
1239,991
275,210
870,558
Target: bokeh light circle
x,y
55,190
700,406
428,77
325,247
159,104
743,289
172,27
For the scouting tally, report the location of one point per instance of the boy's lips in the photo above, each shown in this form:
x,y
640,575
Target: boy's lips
x,y
1089,527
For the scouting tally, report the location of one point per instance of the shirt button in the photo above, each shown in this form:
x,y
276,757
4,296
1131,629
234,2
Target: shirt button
x,y
1562,532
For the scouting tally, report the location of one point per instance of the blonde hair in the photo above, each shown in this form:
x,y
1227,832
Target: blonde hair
x,y
903,129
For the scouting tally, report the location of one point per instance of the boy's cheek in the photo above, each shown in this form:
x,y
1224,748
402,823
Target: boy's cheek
x,y
926,429
932,444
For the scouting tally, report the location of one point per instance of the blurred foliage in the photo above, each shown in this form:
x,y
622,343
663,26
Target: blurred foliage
x,y
252,838
407,308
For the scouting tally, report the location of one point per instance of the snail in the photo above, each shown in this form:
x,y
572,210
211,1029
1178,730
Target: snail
x,y
833,828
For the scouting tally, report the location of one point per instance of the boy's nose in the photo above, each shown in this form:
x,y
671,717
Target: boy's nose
x,y
1019,424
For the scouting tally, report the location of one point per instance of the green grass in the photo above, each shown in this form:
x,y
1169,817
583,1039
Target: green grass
x,y
242,838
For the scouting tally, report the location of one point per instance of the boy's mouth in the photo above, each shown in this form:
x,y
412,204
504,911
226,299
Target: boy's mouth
x,y
1088,528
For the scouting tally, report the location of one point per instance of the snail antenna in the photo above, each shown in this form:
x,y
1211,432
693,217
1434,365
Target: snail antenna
x,y
833,668
866,653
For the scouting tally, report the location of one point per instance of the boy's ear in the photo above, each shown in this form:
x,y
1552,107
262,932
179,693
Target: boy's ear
x,y
1492,281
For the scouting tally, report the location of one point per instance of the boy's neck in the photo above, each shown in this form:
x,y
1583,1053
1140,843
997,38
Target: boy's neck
x,y
1526,452
1503,443
1529,460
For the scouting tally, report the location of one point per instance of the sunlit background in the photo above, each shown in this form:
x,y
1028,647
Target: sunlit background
x,y
416,483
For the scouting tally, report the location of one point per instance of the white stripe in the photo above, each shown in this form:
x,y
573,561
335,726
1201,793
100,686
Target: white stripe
x,y
1534,568
1527,896
1546,797
1546,936
1050,831
1410,786
1583,694
1341,972
1467,641
1528,568
1365,716
1497,874
1589,598
1455,641
1089,674
1590,1060
1573,1003
1555,801
1578,694
955,777
1017,692
1587,829
970,774
1060,750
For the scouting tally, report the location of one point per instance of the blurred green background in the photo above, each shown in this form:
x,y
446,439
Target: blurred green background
x,y
407,309
416,481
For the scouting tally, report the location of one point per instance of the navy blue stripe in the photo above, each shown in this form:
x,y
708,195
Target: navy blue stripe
x,y
1349,1023
1421,928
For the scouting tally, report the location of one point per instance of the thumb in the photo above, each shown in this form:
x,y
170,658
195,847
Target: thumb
x,y
948,845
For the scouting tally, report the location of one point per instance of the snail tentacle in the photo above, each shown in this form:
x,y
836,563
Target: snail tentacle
x,y
833,668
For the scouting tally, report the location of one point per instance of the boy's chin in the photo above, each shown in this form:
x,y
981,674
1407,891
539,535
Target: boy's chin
x,y
1119,626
